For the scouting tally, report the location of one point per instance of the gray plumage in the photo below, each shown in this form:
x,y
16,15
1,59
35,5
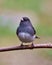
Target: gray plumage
x,y
26,26
26,31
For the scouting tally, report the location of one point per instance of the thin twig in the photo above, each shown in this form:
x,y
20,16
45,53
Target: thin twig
x,y
35,46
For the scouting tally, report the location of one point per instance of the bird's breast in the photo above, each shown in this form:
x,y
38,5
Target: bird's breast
x,y
25,37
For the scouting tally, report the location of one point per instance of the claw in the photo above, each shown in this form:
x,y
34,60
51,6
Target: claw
x,y
21,44
32,45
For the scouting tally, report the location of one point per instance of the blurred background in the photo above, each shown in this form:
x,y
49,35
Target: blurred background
x,y
40,14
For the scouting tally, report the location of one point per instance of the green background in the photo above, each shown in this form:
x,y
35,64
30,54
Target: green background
x,y
43,10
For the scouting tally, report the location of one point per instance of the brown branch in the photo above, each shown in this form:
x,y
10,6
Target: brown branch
x,y
26,47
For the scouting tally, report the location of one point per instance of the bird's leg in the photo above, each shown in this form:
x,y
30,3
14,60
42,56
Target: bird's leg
x,y
32,45
21,44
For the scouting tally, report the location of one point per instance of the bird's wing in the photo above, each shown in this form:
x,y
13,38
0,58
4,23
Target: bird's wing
x,y
17,31
31,30
34,30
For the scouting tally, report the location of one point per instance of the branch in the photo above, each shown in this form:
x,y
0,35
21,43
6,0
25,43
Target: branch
x,y
26,47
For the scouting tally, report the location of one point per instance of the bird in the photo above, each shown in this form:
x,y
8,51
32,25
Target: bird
x,y
25,31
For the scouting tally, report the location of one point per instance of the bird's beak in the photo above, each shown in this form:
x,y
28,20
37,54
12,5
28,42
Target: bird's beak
x,y
22,19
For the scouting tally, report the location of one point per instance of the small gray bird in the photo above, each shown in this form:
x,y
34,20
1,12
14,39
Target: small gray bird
x,y
26,31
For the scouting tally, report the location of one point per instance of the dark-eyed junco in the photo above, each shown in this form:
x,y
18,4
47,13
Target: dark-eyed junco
x,y
26,31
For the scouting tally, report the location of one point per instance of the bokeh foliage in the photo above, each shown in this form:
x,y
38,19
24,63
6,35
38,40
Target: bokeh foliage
x,y
43,27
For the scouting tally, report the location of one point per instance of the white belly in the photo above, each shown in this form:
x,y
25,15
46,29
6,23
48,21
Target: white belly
x,y
25,37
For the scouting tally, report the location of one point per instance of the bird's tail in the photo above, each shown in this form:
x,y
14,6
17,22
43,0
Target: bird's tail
x,y
37,37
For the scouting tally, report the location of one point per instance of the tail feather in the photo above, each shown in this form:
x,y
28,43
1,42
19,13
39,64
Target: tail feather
x,y
37,37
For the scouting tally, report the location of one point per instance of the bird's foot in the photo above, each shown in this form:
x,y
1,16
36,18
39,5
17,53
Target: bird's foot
x,y
32,45
21,44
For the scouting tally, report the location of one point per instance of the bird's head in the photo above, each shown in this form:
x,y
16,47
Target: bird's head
x,y
26,19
